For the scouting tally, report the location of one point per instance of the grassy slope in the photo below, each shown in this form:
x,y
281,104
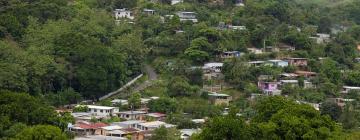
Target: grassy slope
x,y
328,3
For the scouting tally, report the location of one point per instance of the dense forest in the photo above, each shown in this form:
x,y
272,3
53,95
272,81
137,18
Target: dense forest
x,y
60,52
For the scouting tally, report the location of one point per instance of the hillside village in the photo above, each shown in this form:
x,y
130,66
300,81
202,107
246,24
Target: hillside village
x,y
180,70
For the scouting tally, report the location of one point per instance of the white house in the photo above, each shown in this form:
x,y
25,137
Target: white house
x,y
123,13
347,89
119,101
213,67
102,110
128,124
153,125
132,115
173,2
255,50
149,11
187,16
321,38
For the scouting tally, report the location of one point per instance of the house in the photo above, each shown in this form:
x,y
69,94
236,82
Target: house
x,y
236,27
306,74
348,89
239,3
308,84
156,116
123,13
213,67
269,88
321,38
153,125
187,16
231,54
128,124
102,110
198,121
149,12
219,99
276,63
100,137
341,101
288,76
86,128
297,62
316,106
173,2
185,134
112,130
357,60
85,116
265,77
263,85
256,63
292,83
119,101
255,50
132,115
285,47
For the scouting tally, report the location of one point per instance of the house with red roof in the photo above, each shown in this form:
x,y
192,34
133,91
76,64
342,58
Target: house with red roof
x,y
86,128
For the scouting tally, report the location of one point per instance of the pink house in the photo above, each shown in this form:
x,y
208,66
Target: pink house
x,y
267,85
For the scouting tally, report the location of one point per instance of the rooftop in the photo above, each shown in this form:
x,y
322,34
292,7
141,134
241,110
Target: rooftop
x,y
99,137
130,122
112,127
214,64
218,95
156,124
289,81
132,112
100,107
350,87
156,115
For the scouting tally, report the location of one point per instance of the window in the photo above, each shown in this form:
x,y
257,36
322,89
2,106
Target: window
x,y
95,110
101,111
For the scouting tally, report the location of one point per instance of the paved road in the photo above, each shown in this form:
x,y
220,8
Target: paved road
x,y
152,77
151,73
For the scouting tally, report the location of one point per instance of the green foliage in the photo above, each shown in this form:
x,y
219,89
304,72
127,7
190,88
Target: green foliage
x,y
41,132
331,109
163,133
179,86
135,100
23,108
225,128
163,105
81,108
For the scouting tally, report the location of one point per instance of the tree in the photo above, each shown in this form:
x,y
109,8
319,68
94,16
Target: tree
x,y
179,86
38,132
349,118
225,128
163,133
331,109
125,3
163,105
23,108
135,100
